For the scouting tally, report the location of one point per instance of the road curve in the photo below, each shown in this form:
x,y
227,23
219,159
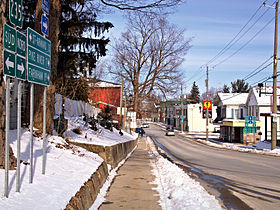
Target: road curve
x,y
239,180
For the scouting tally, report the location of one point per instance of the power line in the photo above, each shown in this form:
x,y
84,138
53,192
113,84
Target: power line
x,y
256,71
231,42
244,44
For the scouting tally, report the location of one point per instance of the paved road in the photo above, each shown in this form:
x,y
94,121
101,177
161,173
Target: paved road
x,y
239,180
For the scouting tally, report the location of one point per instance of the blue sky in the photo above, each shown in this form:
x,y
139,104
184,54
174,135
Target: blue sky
x,y
212,24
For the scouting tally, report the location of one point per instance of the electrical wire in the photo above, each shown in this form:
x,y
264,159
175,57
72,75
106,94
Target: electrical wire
x,y
256,71
245,43
233,41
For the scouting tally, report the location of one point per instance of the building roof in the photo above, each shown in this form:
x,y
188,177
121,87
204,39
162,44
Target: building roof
x,y
233,98
104,84
266,96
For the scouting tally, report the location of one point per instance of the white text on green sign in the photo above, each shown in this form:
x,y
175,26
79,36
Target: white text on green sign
x,y
15,12
39,42
9,38
9,63
38,58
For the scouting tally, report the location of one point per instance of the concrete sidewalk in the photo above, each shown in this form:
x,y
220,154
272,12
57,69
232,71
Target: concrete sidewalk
x,y
130,188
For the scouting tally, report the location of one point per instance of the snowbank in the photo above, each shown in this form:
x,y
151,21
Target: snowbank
x,y
176,189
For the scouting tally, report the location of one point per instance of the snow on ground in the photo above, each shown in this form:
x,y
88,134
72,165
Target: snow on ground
x,y
67,168
176,189
106,137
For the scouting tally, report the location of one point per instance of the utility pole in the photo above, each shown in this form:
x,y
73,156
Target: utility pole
x,y
182,110
121,103
207,98
274,110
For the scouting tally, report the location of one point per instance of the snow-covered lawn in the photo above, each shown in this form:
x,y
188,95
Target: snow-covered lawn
x,y
67,168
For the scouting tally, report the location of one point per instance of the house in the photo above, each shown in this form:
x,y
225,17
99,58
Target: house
x,y
260,105
232,110
193,120
103,93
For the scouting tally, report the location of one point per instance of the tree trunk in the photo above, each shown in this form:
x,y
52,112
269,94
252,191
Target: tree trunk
x,y
54,19
12,158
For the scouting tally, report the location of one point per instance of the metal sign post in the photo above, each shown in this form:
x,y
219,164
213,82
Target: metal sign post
x,y
31,132
44,131
7,137
18,135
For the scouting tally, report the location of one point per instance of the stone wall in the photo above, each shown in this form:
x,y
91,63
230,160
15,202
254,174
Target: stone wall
x,y
112,155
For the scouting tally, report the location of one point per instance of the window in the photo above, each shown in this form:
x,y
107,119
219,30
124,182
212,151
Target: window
x,y
232,113
236,112
241,113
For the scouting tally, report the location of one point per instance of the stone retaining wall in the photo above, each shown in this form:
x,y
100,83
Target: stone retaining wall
x,y
112,155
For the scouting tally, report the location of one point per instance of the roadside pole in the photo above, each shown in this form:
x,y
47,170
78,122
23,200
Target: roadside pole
x,y
18,135
121,102
274,111
44,130
7,137
207,109
182,110
31,132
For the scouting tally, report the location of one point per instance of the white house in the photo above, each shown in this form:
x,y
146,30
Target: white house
x,y
195,120
232,110
260,105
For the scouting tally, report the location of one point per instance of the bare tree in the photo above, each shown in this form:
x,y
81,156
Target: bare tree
x,y
149,54
140,4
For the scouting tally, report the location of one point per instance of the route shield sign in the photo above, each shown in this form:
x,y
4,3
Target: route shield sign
x,y
45,6
38,58
9,63
250,124
45,25
9,38
15,12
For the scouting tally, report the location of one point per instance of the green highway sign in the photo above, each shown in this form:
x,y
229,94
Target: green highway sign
x,y
38,41
250,124
38,58
38,75
9,63
9,38
15,12
21,44
20,68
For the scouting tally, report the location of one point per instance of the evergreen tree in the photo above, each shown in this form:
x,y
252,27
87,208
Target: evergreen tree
x,y
195,97
239,86
225,89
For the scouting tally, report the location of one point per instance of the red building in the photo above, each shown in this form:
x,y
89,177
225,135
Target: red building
x,y
104,94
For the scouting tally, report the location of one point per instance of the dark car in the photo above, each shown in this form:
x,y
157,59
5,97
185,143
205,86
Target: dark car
x,y
140,131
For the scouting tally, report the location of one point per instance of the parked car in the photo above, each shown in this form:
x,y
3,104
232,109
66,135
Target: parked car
x,y
144,125
170,132
140,131
169,127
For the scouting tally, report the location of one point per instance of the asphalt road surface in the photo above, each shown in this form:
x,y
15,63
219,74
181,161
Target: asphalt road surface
x,y
238,180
